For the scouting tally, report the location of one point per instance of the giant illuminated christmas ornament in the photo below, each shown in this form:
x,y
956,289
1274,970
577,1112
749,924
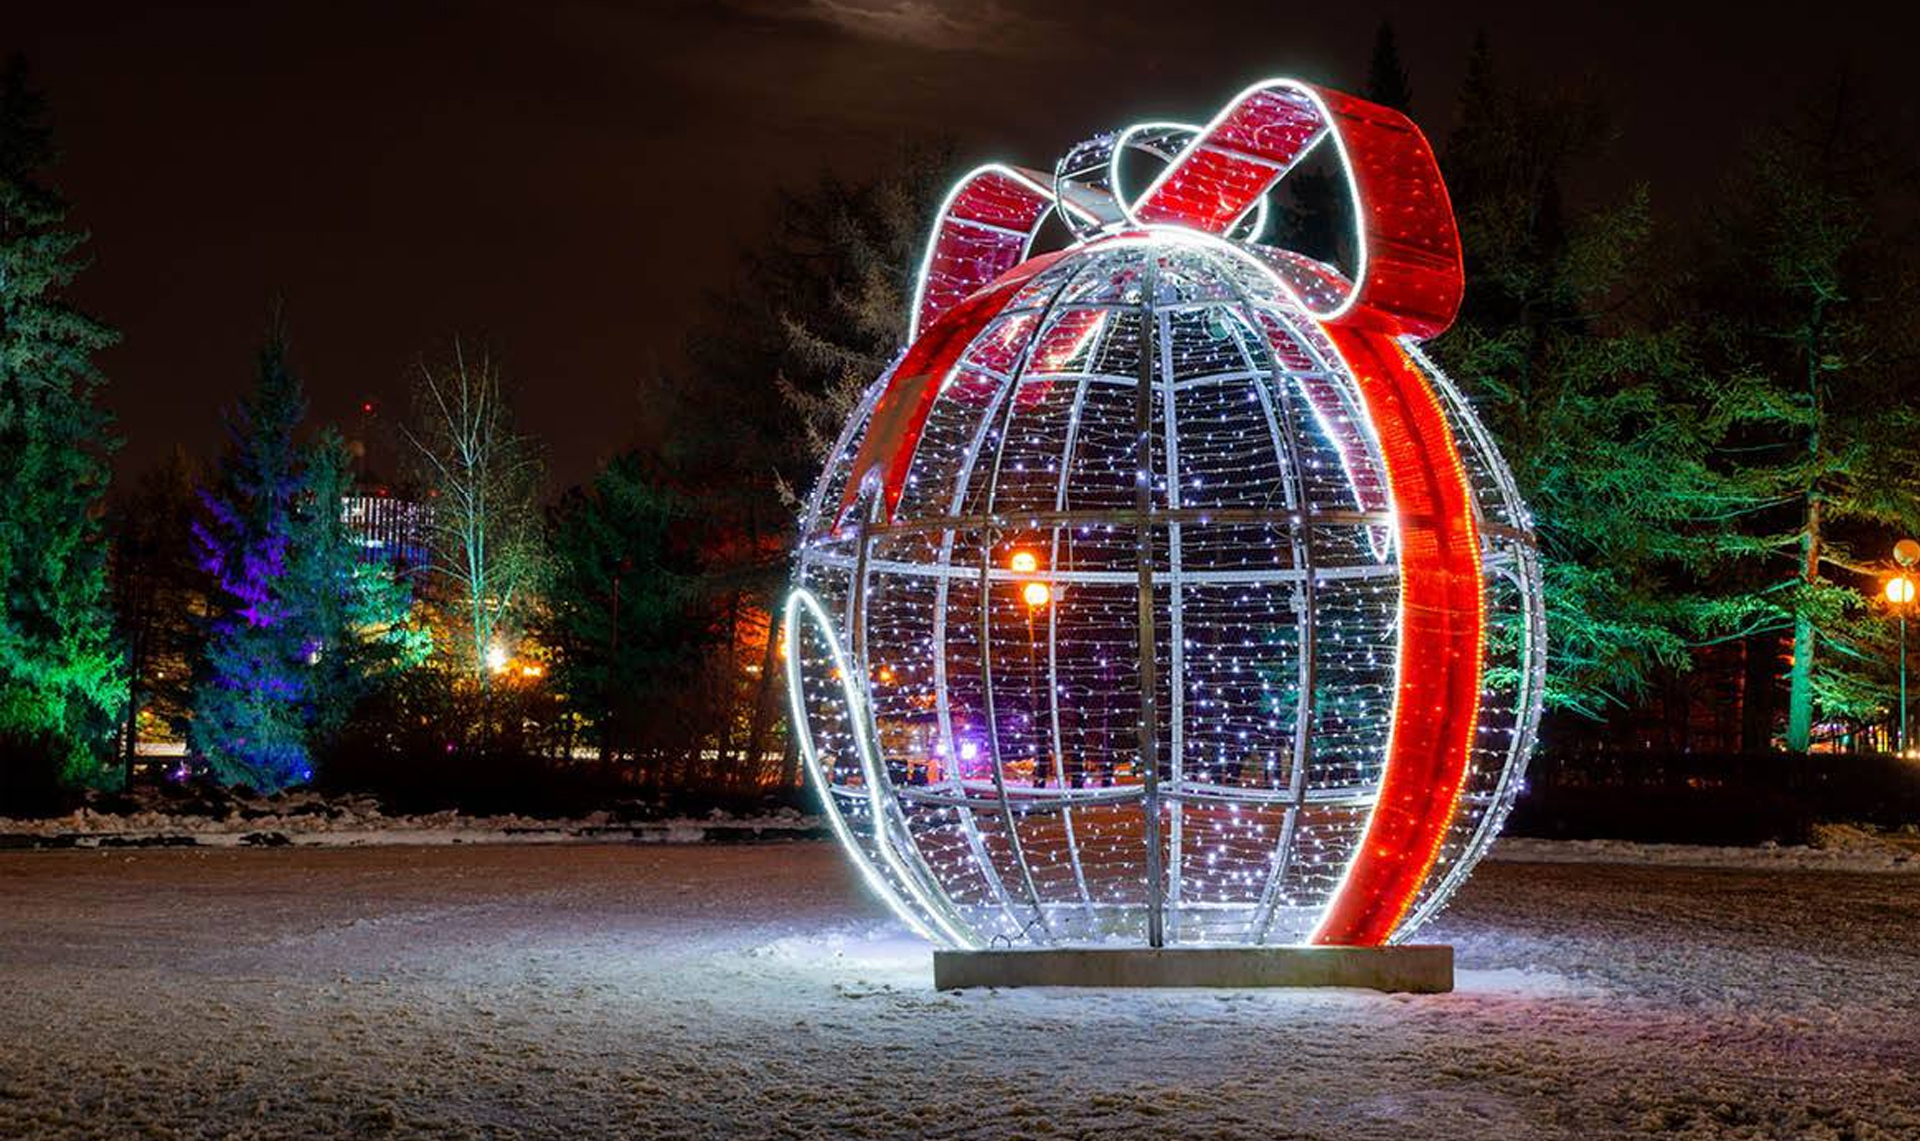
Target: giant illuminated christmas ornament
x,y
1162,591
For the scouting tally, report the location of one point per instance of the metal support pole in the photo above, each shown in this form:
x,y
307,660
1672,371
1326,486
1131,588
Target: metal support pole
x,y
1903,681
1143,563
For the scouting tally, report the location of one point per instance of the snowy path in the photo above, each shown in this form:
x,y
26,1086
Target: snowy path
x,y
600,992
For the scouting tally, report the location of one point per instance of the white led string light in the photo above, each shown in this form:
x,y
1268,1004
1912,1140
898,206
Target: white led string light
x,y
1026,824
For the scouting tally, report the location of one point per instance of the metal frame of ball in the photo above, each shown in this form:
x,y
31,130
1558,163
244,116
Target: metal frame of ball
x,y
913,892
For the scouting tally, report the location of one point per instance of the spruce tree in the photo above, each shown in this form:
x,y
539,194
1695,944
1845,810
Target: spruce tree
x,y
61,674
1811,298
252,707
1572,353
1387,82
822,308
629,612
826,310
355,613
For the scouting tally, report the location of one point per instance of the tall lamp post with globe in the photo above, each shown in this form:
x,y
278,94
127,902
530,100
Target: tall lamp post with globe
x,y
1900,593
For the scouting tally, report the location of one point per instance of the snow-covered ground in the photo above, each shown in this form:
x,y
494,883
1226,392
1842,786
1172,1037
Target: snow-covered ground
x,y
308,819
596,991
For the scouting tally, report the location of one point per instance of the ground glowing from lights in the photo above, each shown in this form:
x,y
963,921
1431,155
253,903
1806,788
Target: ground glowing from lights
x,y
721,992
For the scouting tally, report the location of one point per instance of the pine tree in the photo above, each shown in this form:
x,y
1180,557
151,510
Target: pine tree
x,y
356,614
821,310
1597,401
1812,305
1313,212
252,706
1387,82
61,673
628,611
826,310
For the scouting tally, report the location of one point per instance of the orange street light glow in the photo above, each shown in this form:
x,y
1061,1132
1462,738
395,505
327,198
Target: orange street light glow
x,y
1036,594
1024,562
1900,590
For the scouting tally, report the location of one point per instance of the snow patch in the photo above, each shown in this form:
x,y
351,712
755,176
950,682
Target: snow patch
x,y
1522,982
1862,852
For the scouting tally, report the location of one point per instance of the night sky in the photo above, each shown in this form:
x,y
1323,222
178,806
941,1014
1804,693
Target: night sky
x,y
568,178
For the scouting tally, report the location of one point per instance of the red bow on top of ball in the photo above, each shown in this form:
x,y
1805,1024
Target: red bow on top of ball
x,y
1408,275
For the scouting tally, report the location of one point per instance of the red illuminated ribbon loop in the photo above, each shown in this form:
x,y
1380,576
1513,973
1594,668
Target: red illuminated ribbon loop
x,y
984,228
1407,282
1409,276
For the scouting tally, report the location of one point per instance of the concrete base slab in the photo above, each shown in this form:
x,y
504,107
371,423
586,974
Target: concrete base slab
x,y
1414,968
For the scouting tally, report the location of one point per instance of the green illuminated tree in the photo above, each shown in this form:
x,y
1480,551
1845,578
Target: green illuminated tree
x,y
357,614
1810,305
61,671
484,480
1574,355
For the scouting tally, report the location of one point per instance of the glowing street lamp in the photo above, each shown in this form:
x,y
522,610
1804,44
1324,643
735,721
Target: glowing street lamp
x,y
1036,595
1900,595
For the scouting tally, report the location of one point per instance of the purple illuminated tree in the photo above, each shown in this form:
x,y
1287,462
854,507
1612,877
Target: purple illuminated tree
x,y
249,719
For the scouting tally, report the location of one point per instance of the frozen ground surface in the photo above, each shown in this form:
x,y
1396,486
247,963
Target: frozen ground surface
x,y
595,991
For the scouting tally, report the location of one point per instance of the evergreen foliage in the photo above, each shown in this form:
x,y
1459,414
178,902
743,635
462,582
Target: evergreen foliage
x,y
821,309
628,609
1591,386
61,674
1809,304
357,614
840,285
252,705
304,629
1387,82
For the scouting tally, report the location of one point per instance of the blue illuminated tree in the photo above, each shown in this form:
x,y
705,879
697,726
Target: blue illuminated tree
x,y
251,707
305,629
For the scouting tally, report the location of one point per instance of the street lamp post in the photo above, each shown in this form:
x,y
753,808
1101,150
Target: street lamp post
x,y
1036,594
1900,593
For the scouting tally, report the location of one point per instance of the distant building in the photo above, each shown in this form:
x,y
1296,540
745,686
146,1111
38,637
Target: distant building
x,y
388,529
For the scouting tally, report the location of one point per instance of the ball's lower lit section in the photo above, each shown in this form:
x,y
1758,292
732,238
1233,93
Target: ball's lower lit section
x,y
1124,660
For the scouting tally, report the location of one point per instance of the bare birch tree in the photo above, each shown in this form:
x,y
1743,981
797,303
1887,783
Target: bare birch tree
x,y
484,481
